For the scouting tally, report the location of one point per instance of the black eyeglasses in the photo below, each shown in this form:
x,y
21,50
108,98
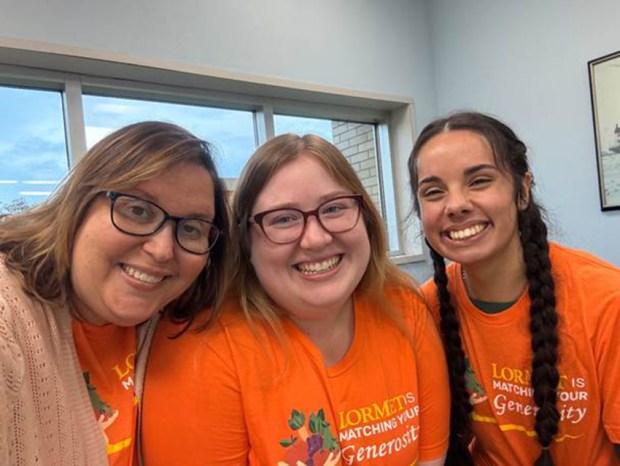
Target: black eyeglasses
x,y
337,215
138,217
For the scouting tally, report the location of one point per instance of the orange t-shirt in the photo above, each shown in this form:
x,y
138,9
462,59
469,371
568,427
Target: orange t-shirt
x,y
106,357
498,348
228,397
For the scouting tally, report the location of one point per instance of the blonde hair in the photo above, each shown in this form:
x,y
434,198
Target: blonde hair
x,y
38,243
261,167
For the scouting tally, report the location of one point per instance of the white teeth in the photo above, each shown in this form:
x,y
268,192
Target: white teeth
x,y
466,233
311,268
143,277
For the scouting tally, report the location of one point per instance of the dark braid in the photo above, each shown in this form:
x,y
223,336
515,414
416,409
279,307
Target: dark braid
x,y
543,326
461,408
511,157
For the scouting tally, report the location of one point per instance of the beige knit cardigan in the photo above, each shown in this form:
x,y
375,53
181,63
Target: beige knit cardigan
x,y
46,418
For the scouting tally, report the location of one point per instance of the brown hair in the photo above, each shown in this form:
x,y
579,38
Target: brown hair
x,y
510,155
38,243
265,162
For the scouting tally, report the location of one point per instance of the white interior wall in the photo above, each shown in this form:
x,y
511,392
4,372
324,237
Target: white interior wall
x,y
526,62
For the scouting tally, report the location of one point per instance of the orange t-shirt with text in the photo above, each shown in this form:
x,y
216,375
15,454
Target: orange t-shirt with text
x,y
107,355
230,397
499,357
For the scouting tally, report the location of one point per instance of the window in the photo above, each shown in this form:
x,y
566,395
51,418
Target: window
x,y
33,151
360,145
230,131
300,125
45,107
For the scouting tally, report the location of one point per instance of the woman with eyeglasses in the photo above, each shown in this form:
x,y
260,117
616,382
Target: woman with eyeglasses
x,y
138,228
325,355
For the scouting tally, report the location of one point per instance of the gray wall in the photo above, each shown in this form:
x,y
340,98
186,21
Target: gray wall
x,y
526,62
362,45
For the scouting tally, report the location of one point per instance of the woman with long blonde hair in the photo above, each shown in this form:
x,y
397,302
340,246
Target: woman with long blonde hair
x,y
325,353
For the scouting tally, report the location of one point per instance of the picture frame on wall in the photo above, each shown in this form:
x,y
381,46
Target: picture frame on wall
x,y
604,75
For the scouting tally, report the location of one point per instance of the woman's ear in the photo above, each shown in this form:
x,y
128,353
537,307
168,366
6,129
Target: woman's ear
x,y
523,199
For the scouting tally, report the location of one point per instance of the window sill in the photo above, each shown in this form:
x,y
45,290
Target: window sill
x,y
403,259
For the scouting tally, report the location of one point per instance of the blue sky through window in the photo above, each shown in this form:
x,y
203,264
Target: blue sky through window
x,y
301,125
231,132
33,151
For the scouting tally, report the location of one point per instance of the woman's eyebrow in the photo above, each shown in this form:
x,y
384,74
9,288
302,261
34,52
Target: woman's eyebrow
x,y
468,172
477,168
429,179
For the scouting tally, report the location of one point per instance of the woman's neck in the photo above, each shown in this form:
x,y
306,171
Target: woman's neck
x,y
333,336
496,282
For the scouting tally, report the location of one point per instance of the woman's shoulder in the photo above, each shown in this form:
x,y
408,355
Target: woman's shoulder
x,y
398,294
587,288
11,356
582,265
409,302
29,331
429,287
18,307
231,327
8,280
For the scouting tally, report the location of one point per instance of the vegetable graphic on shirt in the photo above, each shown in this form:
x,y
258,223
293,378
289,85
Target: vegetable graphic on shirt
x,y
103,412
477,392
311,445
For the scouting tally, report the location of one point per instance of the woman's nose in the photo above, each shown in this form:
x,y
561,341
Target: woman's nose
x,y
457,203
161,244
314,235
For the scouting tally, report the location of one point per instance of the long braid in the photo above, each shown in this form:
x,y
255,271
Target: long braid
x,y
510,154
543,326
461,408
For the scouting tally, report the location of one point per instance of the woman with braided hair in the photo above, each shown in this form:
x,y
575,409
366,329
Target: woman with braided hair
x,y
528,325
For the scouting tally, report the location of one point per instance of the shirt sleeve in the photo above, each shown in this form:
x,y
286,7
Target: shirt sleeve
x,y
434,389
197,393
607,353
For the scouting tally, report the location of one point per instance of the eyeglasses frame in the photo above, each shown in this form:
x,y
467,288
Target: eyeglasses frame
x,y
114,195
258,218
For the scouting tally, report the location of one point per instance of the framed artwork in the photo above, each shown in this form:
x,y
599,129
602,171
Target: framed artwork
x,y
605,94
